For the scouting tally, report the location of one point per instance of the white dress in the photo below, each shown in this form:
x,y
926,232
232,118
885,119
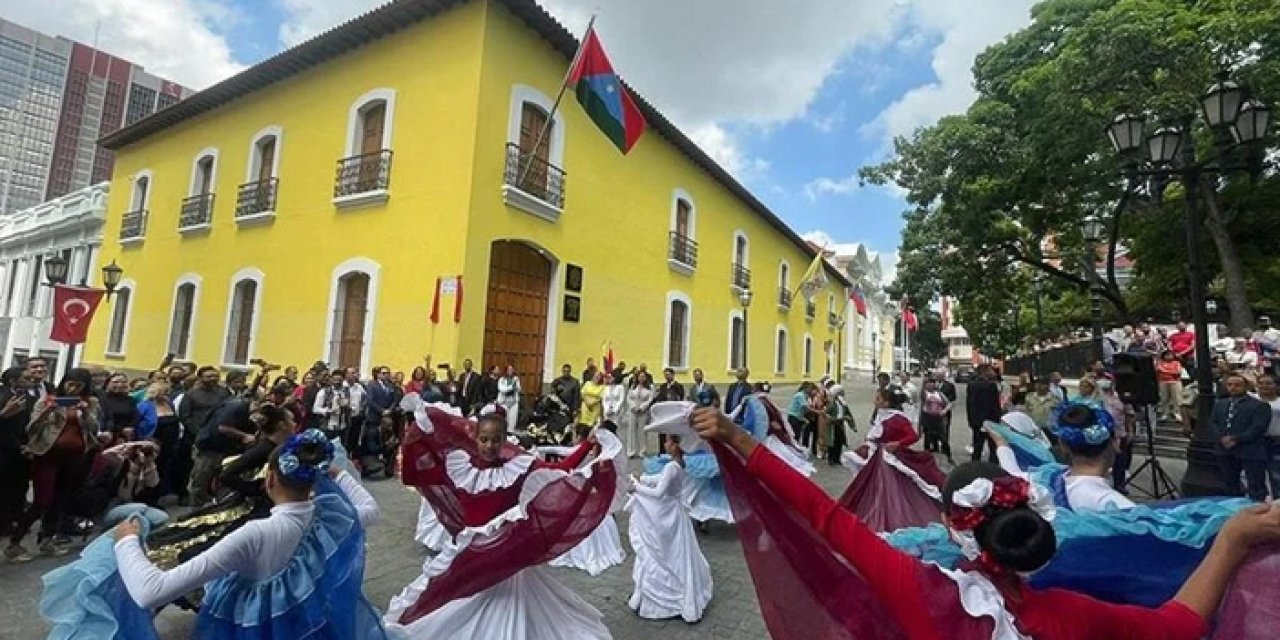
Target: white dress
x,y
509,398
613,401
672,577
599,551
430,533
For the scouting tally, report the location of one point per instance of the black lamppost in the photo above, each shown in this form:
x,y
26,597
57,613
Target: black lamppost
x,y
744,297
1093,229
839,327
1237,123
55,271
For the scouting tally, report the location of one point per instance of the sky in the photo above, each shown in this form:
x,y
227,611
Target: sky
x,y
791,96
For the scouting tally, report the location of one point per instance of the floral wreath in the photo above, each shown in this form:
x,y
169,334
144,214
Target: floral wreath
x,y
293,468
981,499
1100,431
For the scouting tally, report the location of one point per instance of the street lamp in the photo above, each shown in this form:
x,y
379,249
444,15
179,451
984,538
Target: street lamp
x,y
1093,229
1170,154
55,270
111,275
744,297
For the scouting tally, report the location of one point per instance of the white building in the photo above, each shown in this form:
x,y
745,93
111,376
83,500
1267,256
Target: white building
x,y
868,341
70,227
959,348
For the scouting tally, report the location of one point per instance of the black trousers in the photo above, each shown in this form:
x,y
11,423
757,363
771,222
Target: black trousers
x,y
352,436
1255,475
981,440
15,477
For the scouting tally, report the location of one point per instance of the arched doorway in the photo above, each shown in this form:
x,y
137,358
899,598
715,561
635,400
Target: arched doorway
x,y
515,326
349,317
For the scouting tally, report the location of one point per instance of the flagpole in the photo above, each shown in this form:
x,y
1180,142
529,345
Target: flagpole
x,y
555,106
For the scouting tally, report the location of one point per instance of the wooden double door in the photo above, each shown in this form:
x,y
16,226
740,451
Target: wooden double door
x,y
515,326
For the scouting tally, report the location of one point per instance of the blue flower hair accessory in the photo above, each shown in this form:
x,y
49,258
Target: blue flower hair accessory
x,y
293,468
1099,431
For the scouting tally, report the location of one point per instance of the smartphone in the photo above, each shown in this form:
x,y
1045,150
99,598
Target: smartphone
x,y
66,401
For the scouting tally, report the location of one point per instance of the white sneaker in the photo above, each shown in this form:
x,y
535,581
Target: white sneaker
x,y
968,448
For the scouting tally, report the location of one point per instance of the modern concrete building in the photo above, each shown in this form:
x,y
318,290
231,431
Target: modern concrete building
x,y
57,98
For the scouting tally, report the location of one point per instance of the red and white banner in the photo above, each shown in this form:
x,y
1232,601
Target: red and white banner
x,y
73,309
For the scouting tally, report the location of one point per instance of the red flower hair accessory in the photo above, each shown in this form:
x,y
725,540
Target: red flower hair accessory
x,y
972,504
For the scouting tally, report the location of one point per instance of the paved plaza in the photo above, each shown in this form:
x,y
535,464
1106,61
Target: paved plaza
x,y
395,560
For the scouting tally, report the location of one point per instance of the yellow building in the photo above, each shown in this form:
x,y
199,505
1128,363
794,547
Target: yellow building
x,y
306,208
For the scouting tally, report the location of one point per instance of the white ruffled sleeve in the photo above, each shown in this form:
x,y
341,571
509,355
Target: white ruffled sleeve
x,y
366,506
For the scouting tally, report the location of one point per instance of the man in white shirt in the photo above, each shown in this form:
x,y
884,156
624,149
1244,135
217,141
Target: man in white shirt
x,y
332,406
1270,394
353,440
1056,389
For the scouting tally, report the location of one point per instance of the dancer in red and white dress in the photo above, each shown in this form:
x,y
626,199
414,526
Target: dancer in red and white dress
x,y
894,486
509,513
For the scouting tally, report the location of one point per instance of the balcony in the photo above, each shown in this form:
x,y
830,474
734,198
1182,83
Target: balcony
x,y
532,184
784,299
196,213
741,276
363,180
810,309
256,200
682,253
133,226
833,319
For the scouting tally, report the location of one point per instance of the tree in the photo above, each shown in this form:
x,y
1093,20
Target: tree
x,y
927,344
1004,188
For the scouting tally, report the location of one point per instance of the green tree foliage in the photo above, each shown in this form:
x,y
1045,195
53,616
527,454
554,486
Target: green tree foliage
x,y
1002,191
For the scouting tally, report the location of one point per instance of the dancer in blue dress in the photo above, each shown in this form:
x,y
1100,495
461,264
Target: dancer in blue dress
x,y
296,574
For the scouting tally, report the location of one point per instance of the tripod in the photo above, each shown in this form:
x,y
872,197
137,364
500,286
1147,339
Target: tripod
x,y
1161,485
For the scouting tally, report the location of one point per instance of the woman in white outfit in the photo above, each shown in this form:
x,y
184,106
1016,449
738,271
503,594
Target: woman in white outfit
x,y
639,397
509,396
672,577
614,400
603,548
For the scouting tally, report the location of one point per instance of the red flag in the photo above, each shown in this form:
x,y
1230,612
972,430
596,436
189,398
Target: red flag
x,y
602,95
457,303
859,301
608,357
73,309
909,318
435,304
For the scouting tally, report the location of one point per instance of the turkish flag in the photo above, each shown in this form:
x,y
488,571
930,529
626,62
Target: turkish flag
x,y
73,309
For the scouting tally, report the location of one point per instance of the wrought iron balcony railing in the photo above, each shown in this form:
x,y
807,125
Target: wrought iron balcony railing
x,y
741,276
810,309
534,176
196,212
784,298
253,198
683,249
363,174
133,225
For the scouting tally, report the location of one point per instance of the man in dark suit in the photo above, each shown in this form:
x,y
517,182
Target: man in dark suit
x,y
948,391
568,390
982,403
700,387
1240,424
738,391
468,387
382,398
488,393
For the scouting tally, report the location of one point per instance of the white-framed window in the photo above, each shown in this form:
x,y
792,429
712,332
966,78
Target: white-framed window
x,y
784,284
527,118
182,320
741,248
682,247
737,340
370,122
121,303
264,155
808,355
780,350
244,307
353,296
204,172
140,193
679,322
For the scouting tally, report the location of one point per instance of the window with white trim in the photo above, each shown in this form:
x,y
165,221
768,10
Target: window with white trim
x,y
241,321
119,319
183,319
737,341
141,193
780,352
682,249
678,320
808,355
203,174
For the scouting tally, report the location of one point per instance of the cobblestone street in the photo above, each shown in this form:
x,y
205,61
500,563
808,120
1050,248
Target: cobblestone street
x,y
395,560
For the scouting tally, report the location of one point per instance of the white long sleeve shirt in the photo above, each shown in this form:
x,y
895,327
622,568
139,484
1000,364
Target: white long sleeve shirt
x,y
257,550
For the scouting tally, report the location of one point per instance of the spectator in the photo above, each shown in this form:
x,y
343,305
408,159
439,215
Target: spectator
x,y
1169,375
37,370
357,398
489,387
333,410
568,390
668,391
1183,344
1056,388
238,383
1041,403
63,431
1240,423
738,391
701,388
298,397
639,398
383,396
1122,417
592,400
1241,357
15,470
468,387
509,391
119,409
289,379
798,413
229,431
139,477
614,400
982,404
589,371
241,475
1267,392
910,391
417,380
1087,393
397,381
934,407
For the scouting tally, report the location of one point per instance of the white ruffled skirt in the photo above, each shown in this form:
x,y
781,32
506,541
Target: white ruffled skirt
x,y
430,532
672,577
599,551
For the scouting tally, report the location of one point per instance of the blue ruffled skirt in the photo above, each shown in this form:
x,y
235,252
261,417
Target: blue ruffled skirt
x,y
316,596
1139,556
703,490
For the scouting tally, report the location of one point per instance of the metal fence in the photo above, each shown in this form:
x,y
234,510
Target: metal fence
x,y
1071,361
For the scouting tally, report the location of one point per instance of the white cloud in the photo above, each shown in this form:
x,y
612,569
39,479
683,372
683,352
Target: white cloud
x,y
824,185
966,32
722,148
307,18
174,39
